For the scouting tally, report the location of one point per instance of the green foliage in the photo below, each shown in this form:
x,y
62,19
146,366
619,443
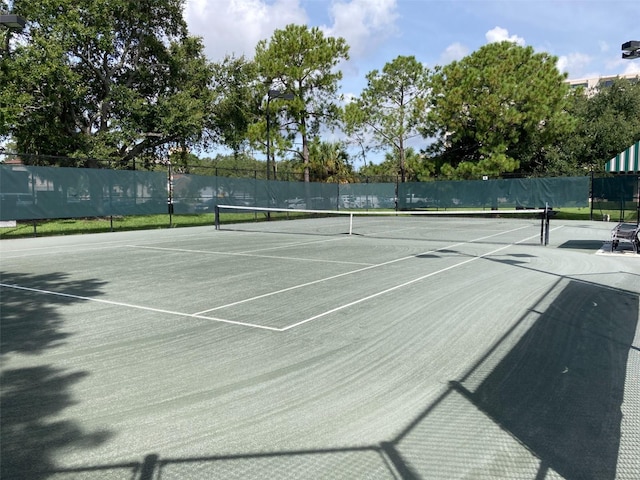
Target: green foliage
x,y
302,61
10,96
236,108
607,123
391,107
123,81
496,111
491,166
236,165
329,162
418,168
97,76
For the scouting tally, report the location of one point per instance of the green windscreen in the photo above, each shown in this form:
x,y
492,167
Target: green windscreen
x,y
30,193
500,193
46,192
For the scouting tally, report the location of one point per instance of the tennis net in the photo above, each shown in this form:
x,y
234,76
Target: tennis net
x,y
379,223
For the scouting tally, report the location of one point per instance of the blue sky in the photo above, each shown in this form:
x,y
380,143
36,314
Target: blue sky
x,y
585,35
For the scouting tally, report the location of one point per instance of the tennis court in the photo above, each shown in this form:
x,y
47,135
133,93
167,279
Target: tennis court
x,y
412,348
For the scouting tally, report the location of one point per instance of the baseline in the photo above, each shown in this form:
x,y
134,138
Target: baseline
x,y
200,315
137,307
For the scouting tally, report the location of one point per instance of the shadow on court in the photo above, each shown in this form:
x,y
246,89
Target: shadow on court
x,y
559,391
545,397
31,396
588,245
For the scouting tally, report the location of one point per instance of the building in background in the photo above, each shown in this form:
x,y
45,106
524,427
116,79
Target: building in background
x,y
591,85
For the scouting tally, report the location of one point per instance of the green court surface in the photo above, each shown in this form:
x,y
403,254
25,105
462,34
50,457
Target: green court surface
x,y
414,349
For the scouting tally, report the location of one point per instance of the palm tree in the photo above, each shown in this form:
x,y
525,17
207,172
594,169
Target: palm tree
x,y
329,162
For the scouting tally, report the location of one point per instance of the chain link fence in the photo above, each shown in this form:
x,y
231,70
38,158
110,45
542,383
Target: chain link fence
x,y
34,192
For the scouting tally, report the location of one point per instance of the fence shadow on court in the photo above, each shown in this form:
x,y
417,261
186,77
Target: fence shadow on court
x,y
546,397
559,390
553,386
31,396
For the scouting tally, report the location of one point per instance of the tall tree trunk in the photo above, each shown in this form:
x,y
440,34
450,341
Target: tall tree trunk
x,y
403,169
305,152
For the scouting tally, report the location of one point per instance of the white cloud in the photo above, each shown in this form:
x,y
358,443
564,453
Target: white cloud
x,y
574,63
455,51
364,24
236,26
499,34
632,67
348,97
619,65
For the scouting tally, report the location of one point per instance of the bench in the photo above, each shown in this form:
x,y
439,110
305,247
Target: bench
x,y
626,233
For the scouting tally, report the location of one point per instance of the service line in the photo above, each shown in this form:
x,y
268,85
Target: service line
x,y
405,284
351,272
137,307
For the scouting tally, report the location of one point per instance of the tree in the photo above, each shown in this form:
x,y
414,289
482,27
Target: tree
x,y
302,61
10,96
236,108
391,107
329,162
110,79
607,122
418,168
236,165
495,111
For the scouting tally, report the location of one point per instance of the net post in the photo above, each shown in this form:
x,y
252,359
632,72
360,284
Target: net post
x,y
542,215
350,223
547,214
547,219
216,216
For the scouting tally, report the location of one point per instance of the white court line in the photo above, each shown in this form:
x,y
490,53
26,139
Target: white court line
x,y
293,244
409,228
137,307
62,249
85,246
396,287
333,277
240,254
274,329
402,285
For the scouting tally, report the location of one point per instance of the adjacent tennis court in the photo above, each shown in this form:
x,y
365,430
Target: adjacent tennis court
x,y
373,347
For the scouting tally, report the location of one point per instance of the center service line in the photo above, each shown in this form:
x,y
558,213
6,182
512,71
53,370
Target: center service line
x,y
333,277
364,299
415,280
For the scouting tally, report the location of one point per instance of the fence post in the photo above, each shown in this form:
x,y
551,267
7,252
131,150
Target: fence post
x,y
397,194
591,199
638,194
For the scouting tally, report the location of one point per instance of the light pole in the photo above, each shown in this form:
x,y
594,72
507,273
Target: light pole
x,y
631,50
12,22
273,94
